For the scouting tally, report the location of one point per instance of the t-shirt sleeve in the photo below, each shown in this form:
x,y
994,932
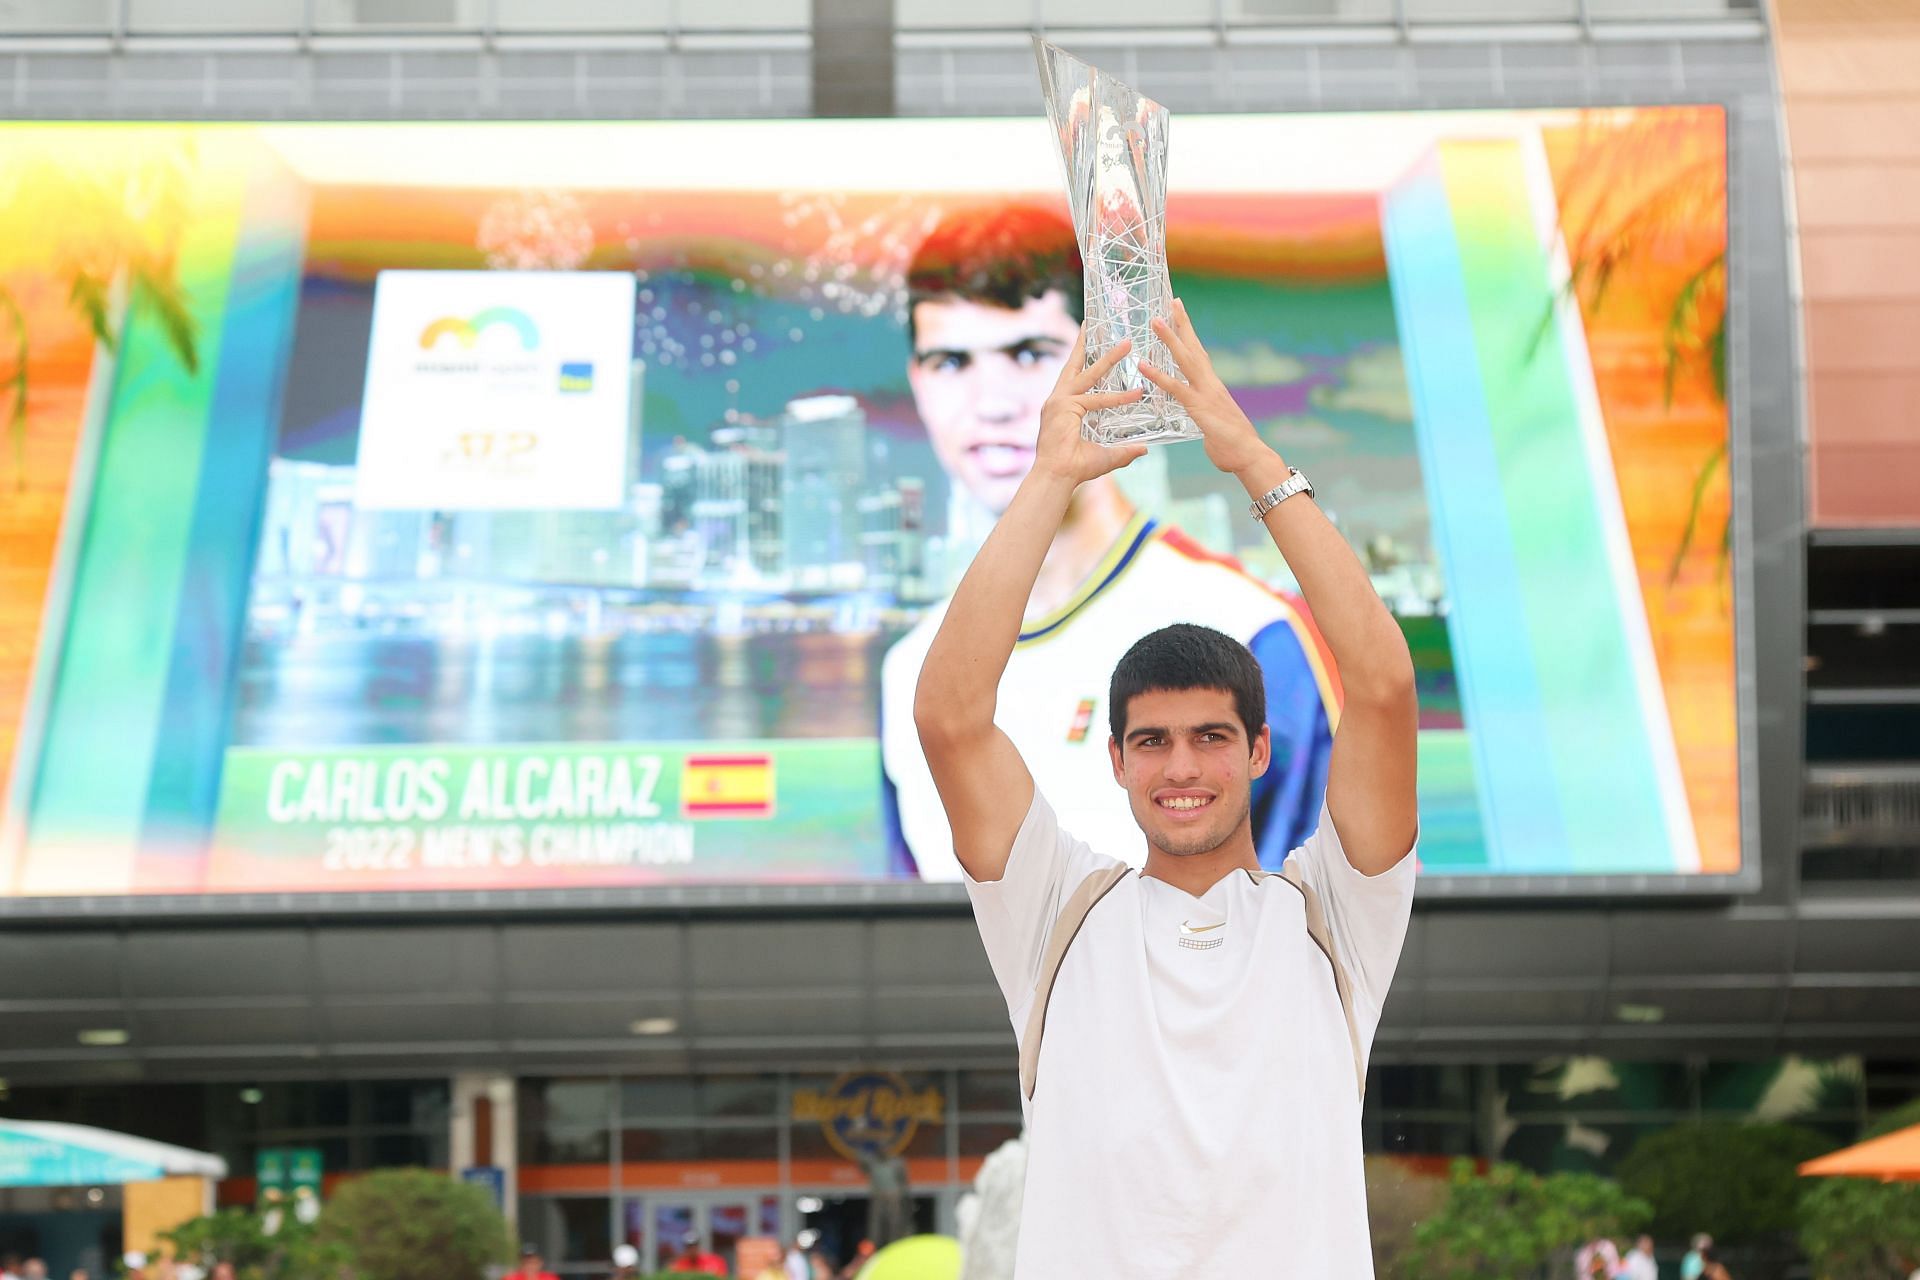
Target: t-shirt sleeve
x,y
1016,913
1367,916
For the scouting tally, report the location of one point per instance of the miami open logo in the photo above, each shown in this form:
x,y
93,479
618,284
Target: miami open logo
x,y
467,332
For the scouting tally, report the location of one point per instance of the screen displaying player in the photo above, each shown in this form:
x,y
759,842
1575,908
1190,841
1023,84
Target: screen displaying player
x,y
994,304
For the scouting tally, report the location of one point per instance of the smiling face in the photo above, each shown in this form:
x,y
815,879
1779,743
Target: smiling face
x,y
979,374
1188,766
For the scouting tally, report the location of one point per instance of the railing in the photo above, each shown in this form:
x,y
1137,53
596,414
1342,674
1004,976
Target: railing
x,y
1877,803
164,19
1861,824
370,20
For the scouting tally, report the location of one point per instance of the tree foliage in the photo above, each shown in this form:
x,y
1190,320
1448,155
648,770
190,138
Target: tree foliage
x,y
1510,1222
1855,1229
1739,1183
293,1251
1858,1229
415,1224
1893,1121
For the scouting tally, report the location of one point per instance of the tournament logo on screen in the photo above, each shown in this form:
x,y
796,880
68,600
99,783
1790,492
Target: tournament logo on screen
x,y
467,406
467,332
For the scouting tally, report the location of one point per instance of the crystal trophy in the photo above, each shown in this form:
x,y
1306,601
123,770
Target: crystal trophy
x,y
1113,146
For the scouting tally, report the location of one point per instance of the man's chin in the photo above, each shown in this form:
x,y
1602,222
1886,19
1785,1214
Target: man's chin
x,y
1187,844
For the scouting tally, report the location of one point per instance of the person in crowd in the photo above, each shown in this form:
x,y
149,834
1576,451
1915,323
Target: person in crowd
x,y
9,1266
697,1260
861,1257
33,1269
1158,1145
1598,1257
532,1265
1711,1267
1695,1261
1639,1263
798,1265
994,299
626,1262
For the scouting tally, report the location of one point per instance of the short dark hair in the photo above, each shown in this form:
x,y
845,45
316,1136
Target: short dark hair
x,y
1001,256
1185,656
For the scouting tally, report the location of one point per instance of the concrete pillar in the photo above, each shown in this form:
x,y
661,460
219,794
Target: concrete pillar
x,y
485,1133
852,57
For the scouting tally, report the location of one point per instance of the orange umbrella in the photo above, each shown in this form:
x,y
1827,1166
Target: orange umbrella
x,y
1894,1157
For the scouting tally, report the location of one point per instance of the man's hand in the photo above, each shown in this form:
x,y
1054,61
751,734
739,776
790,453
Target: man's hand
x,y
1061,451
1228,436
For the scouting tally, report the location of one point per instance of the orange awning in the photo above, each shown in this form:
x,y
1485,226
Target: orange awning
x,y
1892,1158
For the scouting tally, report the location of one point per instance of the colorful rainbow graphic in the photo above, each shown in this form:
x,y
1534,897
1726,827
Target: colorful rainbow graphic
x,y
468,331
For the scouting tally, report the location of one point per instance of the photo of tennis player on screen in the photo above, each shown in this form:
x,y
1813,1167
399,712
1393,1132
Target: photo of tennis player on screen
x,y
994,304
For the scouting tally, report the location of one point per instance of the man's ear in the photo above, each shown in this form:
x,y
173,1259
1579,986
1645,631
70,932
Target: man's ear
x,y
1114,754
1262,753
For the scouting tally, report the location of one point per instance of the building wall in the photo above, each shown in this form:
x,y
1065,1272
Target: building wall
x,y
1852,97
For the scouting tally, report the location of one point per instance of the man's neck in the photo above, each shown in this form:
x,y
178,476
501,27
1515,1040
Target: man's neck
x,y
1096,516
1195,873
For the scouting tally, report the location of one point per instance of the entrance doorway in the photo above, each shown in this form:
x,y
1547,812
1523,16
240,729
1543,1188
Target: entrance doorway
x,y
843,1221
660,1226
66,1227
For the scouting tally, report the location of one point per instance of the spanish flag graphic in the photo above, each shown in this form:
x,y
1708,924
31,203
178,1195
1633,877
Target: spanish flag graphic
x,y
734,786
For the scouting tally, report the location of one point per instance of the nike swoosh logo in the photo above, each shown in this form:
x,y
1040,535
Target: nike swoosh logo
x,y
1191,929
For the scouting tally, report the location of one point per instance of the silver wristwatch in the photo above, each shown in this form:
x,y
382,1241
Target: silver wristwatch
x,y
1294,483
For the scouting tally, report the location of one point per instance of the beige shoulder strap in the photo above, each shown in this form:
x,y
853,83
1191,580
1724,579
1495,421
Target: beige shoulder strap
x,y
1095,887
1322,936
1089,892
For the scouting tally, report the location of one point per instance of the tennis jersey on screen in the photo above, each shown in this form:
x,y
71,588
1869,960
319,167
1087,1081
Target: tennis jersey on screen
x,y
1053,700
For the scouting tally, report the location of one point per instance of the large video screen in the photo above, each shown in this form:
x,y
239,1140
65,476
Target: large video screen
x,y
480,506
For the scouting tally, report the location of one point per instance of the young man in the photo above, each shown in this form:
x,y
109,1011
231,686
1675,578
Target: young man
x,y
532,1265
1196,1108
994,302
697,1260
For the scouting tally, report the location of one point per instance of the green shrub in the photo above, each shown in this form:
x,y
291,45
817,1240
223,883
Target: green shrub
x,y
1855,1229
1894,1121
415,1224
1508,1224
1398,1201
1858,1229
293,1252
1739,1183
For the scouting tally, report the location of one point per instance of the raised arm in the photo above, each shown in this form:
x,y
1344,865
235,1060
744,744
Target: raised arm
x,y
983,783
1370,776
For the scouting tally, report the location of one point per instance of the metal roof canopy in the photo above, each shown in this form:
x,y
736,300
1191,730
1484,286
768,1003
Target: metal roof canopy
x,y
34,1154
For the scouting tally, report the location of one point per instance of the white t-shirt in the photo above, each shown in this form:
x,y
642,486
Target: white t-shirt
x,y
1196,1111
1639,1266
